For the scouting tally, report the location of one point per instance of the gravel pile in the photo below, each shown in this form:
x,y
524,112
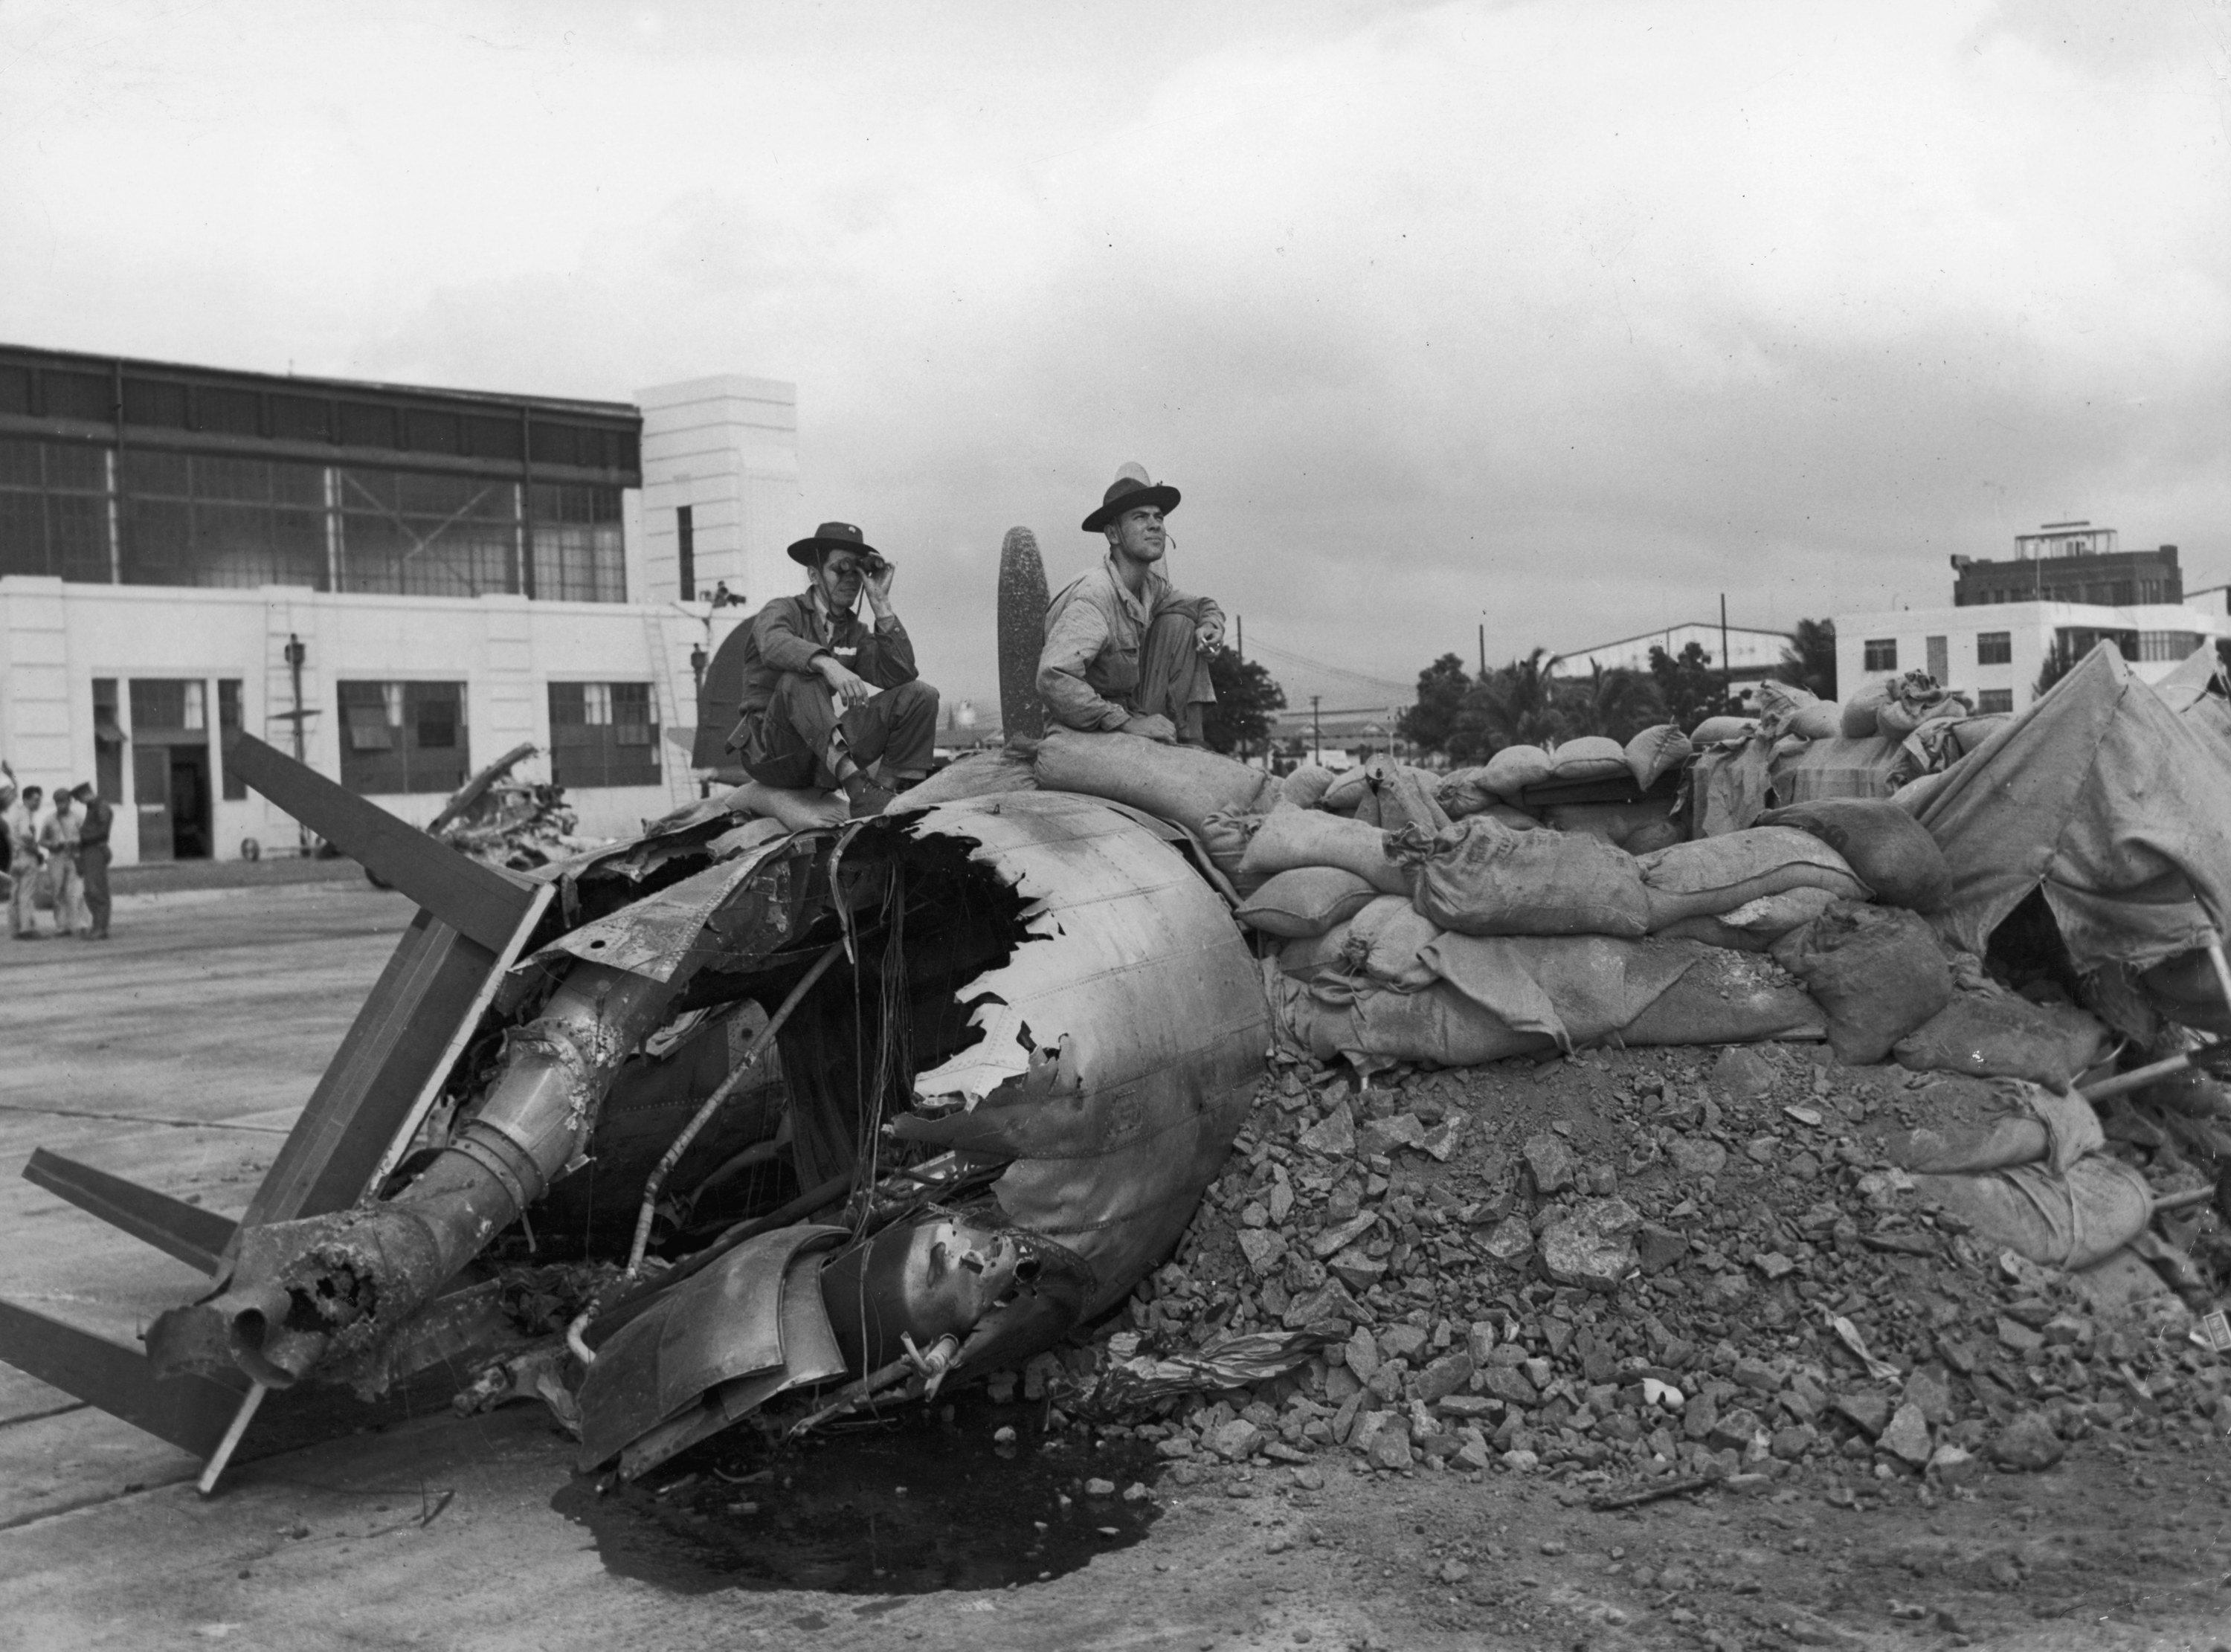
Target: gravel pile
x,y
1631,1265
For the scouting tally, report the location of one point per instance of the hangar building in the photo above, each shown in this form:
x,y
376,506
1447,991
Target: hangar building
x,y
411,581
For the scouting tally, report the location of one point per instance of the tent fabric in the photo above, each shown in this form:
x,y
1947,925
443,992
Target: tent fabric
x,y
2196,691
2101,795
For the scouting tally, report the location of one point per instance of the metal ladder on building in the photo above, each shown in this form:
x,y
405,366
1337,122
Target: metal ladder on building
x,y
673,761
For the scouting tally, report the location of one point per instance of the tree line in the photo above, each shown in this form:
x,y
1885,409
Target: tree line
x,y
1524,703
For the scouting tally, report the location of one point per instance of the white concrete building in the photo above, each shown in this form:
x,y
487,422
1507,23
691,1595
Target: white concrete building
x,y
1996,651
450,574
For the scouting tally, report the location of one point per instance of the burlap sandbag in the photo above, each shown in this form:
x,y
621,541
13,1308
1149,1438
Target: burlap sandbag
x,y
1590,757
1308,901
1480,878
1821,720
1516,767
1754,926
1715,731
1891,851
1711,876
1305,787
1863,708
1657,751
1988,1032
1878,970
1347,791
1225,837
1298,837
2064,1212
1464,791
799,810
1406,796
1180,783
1384,941
1306,957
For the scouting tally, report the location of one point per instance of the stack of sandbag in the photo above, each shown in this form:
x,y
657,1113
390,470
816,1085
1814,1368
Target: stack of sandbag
x,y
1408,945
2035,1179
1486,998
1499,788
1898,706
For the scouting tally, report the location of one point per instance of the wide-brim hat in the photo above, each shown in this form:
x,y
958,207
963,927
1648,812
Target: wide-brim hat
x,y
832,536
1131,488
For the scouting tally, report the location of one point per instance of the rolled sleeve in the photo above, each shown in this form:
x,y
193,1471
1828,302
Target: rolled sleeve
x,y
1073,642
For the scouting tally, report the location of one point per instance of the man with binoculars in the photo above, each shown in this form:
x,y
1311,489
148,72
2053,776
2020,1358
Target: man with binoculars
x,y
827,700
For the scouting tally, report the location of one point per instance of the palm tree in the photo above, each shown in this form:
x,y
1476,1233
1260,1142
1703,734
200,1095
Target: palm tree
x,y
1516,705
1809,661
1618,702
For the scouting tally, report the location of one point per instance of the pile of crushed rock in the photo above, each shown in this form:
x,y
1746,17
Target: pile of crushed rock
x,y
1666,1262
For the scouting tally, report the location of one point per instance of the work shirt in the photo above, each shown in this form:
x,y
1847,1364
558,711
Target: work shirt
x,y
1089,668
791,632
23,835
93,834
58,834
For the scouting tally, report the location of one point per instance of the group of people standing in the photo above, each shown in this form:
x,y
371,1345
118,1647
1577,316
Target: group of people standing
x,y
66,846
834,703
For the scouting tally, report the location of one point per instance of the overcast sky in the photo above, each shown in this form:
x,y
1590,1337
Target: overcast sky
x,y
1563,317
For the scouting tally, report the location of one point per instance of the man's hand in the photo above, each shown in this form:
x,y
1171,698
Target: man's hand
x,y
1210,635
1150,728
876,587
848,685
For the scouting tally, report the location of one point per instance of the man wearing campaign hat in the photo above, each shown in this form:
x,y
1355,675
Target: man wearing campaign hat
x,y
828,701
1126,650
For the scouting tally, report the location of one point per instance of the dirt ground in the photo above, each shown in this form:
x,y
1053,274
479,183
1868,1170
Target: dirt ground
x,y
178,1054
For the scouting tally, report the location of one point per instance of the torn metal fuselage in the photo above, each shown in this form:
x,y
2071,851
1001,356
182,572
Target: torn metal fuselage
x,y
1008,1101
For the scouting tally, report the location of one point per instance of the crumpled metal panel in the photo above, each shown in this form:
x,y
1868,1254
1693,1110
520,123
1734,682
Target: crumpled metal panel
x,y
653,936
1126,1039
724,1323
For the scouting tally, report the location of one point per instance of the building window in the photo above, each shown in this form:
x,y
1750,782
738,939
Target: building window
x,y
54,510
1994,648
1993,699
685,552
2167,645
402,737
225,522
603,735
578,555
1880,654
229,724
1940,657
404,533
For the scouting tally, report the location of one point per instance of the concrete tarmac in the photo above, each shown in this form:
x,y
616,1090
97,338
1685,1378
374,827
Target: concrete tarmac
x,y
178,1054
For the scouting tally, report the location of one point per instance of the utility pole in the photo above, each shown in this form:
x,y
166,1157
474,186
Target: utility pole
x,y
1727,663
1482,651
295,654
1316,731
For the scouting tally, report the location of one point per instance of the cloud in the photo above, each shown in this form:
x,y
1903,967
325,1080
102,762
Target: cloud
x,y
1560,320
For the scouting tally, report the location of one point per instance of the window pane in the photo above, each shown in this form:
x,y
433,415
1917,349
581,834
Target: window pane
x,y
428,535
1994,648
20,465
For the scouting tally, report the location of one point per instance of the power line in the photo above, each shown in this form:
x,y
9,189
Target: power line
x,y
1332,670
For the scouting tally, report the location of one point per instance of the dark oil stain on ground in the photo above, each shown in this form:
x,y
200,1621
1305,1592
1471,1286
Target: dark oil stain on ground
x,y
904,1507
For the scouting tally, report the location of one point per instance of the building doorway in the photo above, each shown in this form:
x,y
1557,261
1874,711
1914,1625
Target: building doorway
x,y
170,789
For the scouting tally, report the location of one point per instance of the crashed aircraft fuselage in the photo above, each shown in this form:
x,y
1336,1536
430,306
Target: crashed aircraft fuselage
x,y
1012,1038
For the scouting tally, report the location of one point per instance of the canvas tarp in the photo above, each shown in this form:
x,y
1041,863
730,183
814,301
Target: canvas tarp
x,y
2099,792
2196,691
